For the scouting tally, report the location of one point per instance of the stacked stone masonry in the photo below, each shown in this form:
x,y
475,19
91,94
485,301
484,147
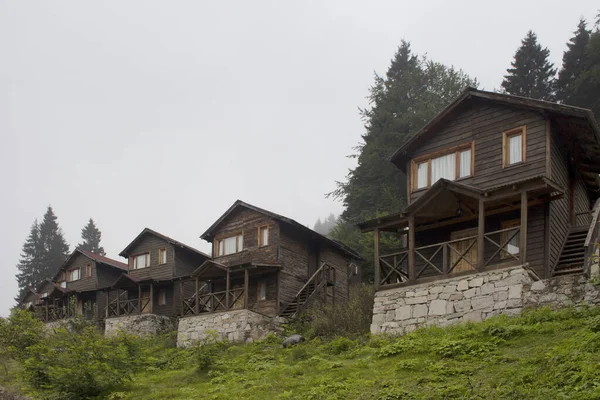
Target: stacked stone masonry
x,y
143,324
475,298
234,326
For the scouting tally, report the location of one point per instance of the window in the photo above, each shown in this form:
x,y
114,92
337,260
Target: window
x,y
451,164
162,256
74,274
162,297
263,236
513,146
262,290
44,295
512,247
28,305
141,261
63,284
88,270
230,245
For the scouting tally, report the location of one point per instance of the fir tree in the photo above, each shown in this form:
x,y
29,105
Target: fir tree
x,y
586,89
56,249
30,265
531,75
574,63
91,236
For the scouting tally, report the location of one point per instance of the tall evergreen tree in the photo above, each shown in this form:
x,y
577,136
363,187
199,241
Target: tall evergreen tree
x,y
91,236
531,75
30,265
56,248
586,89
574,63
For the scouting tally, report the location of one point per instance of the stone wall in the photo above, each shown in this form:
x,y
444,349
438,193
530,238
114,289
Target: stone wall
x,y
143,324
235,326
475,298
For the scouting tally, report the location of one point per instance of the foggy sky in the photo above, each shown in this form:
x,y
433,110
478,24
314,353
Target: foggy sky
x,y
161,114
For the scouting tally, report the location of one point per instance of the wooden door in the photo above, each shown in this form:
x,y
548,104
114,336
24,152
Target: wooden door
x,y
146,296
461,247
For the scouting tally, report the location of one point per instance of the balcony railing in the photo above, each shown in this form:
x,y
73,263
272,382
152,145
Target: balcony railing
x,y
451,257
121,307
214,301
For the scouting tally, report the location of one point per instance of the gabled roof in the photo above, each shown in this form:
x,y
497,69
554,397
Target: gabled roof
x,y
440,186
98,258
469,93
124,281
29,291
208,235
125,253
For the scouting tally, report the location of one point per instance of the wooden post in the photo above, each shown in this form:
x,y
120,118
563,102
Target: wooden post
x,y
151,297
211,289
277,290
227,292
107,301
197,302
445,265
46,310
480,236
411,248
118,302
523,243
246,281
181,297
140,299
377,261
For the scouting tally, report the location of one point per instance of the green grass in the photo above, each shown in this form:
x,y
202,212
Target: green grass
x,y
543,354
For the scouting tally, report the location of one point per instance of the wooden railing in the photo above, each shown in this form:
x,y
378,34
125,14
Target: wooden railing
x,y
443,258
55,312
325,275
591,240
121,307
214,301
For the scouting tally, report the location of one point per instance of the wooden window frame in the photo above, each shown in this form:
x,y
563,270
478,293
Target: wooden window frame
x,y
237,250
506,135
259,285
260,241
162,295
70,274
88,270
137,255
414,163
511,223
162,250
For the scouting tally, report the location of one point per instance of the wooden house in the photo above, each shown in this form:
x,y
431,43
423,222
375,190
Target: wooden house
x,y
77,286
494,180
267,263
155,263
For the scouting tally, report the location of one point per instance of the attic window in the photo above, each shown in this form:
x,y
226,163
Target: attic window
x,y
230,245
141,261
513,146
263,236
88,270
452,164
74,275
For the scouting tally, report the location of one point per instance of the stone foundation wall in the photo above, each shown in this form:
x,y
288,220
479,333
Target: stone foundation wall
x,y
235,326
475,298
56,324
143,324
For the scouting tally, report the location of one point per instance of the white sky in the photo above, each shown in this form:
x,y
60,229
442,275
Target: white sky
x,y
163,113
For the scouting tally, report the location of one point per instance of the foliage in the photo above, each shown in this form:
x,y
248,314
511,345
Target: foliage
x,y
351,318
531,74
91,236
43,253
325,226
573,64
208,350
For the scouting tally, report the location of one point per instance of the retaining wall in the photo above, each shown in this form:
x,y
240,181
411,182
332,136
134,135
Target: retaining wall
x,y
142,324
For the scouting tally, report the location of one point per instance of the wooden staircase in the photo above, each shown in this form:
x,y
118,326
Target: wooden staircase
x,y
573,255
325,276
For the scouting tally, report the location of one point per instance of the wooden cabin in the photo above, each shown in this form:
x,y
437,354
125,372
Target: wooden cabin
x,y
155,263
266,263
29,300
494,180
77,286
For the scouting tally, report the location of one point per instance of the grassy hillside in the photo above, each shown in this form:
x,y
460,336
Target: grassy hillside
x,y
542,354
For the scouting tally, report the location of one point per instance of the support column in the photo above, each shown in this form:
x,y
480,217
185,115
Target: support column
x,y
523,243
227,291
197,302
118,302
107,302
377,261
246,281
411,248
151,297
277,291
139,298
480,236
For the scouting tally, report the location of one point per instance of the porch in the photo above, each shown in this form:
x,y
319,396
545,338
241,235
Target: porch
x,y
56,306
129,296
215,287
454,229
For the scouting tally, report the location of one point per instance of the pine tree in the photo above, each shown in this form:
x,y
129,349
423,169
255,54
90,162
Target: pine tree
x,y
574,63
91,236
30,265
531,75
586,89
56,249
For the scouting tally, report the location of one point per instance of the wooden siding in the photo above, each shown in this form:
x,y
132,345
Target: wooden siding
x,y
106,275
151,244
340,263
247,222
582,202
484,124
186,262
559,209
84,283
293,256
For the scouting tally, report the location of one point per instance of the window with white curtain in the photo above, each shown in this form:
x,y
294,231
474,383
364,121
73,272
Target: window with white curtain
x,y
141,261
514,146
263,236
230,245
455,161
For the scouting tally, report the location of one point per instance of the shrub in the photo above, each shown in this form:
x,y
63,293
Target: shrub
x,y
351,318
465,348
340,345
399,346
207,350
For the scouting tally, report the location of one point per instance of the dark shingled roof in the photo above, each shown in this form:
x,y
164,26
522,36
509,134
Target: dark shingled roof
x,y
125,252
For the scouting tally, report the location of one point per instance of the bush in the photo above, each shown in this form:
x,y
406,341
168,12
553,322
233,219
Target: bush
x,y
351,318
207,351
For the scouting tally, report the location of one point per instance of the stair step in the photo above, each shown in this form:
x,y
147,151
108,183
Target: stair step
x,y
567,271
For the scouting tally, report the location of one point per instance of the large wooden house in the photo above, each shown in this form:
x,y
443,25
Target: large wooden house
x,y
267,263
494,180
77,287
155,263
